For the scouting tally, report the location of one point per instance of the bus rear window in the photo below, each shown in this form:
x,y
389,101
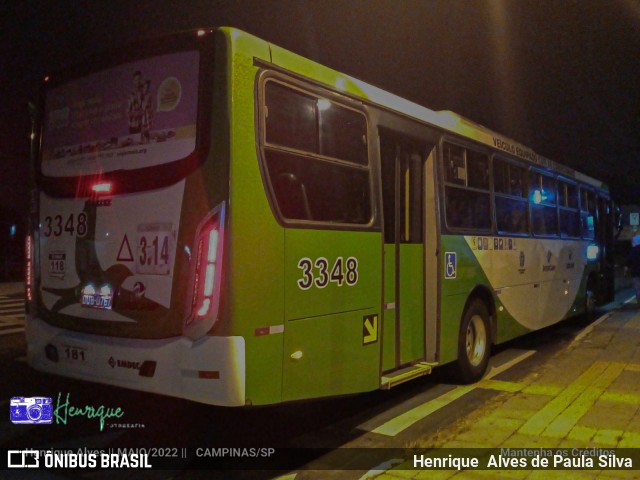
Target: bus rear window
x,y
134,115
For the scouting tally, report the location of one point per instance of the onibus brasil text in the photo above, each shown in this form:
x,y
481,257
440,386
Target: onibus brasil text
x,y
85,458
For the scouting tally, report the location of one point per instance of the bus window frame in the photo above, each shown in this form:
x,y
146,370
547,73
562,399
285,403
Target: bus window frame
x,y
554,177
319,91
592,194
524,198
443,184
568,182
157,176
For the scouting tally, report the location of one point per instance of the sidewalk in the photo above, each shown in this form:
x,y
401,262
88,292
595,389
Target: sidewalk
x,y
587,396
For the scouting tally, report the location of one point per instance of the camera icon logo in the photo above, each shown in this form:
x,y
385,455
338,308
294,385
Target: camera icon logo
x,y
23,459
31,410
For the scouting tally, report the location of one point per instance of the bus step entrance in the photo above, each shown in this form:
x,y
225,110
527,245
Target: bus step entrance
x,y
405,374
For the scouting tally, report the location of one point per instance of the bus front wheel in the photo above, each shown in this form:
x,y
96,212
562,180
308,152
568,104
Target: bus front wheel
x,y
474,344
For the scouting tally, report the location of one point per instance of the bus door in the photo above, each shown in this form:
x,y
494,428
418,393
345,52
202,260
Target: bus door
x,y
404,163
605,231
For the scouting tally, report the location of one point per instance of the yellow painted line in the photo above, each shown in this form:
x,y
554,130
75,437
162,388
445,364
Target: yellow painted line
x,y
541,420
550,390
607,437
380,469
632,367
11,331
501,386
629,440
628,398
563,423
581,433
405,420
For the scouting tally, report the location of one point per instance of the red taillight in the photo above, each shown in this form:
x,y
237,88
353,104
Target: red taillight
x,y
208,268
102,187
28,255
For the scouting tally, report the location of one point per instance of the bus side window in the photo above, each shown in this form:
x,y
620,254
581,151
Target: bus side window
x,y
511,204
458,212
316,157
539,224
291,121
467,209
568,208
467,196
543,197
511,215
587,213
295,203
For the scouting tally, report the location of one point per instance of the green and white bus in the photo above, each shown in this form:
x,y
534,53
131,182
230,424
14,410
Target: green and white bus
x,y
218,219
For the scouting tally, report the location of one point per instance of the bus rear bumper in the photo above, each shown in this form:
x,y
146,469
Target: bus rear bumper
x,y
208,370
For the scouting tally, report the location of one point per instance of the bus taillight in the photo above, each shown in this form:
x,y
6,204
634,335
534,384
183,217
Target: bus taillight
x,y
593,251
207,273
28,255
101,187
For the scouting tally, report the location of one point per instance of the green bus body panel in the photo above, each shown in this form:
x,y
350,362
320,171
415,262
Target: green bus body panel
x,y
454,293
255,241
389,314
300,65
411,302
334,360
257,293
325,323
332,298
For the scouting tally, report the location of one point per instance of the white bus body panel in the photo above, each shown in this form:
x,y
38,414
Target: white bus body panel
x,y
116,361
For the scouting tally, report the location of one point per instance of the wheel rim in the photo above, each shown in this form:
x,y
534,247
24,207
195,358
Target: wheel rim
x,y
476,340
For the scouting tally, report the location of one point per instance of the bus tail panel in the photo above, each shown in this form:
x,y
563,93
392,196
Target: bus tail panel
x,y
107,266
210,370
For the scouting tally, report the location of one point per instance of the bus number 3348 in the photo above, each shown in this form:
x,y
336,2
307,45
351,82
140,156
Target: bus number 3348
x,y
342,272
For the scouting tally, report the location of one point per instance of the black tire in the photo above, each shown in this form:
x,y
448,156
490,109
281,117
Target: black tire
x,y
589,302
474,342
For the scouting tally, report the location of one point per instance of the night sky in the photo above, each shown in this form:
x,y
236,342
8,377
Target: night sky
x,y
562,77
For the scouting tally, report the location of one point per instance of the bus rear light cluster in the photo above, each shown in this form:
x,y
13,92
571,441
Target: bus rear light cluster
x,y
207,274
593,251
101,187
28,254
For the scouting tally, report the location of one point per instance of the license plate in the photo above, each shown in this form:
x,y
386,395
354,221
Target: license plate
x,y
96,300
154,249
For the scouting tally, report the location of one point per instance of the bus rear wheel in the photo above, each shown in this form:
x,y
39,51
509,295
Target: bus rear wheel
x,y
474,344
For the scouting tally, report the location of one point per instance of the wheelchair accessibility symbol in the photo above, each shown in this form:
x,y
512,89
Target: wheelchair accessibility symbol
x,y
450,265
